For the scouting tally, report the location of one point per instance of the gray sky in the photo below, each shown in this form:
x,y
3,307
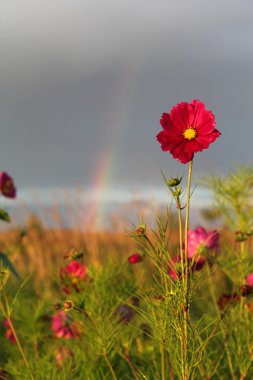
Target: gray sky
x,y
83,84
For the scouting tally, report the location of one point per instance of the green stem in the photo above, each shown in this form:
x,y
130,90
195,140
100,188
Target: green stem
x,y
186,273
128,360
180,228
8,317
162,360
110,367
187,214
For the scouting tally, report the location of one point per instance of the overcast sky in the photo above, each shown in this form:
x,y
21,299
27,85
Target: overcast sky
x,y
83,84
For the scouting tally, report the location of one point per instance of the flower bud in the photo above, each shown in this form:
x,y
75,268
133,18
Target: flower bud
x,y
241,236
57,306
173,182
135,258
7,187
140,230
177,192
68,305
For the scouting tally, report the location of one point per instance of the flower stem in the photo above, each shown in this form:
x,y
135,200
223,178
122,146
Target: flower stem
x,y
128,360
8,317
180,224
110,367
187,214
186,273
162,360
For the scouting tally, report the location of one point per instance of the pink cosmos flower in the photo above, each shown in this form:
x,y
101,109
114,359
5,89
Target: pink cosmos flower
x,y
199,239
187,129
63,327
8,333
249,279
76,269
135,258
7,187
73,275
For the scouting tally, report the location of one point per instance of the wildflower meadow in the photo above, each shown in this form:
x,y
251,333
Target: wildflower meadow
x,y
169,302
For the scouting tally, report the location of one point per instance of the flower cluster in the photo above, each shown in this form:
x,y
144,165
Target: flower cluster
x,y
63,327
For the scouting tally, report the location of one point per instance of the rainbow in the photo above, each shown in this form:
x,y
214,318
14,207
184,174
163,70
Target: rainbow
x,y
104,167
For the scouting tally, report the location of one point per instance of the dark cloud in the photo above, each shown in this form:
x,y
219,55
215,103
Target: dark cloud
x,y
84,80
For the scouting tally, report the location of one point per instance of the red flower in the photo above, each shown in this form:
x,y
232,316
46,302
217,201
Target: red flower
x,y
7,187
187,129
135,258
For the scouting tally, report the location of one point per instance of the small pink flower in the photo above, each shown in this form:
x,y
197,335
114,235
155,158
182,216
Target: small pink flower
x,y
76,269
249,279
199,239
135,258
7,187
63,327
73,275
8,333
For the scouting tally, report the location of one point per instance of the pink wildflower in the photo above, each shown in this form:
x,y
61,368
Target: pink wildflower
x,y
63,327
7,187
249,279
8,333
199,240
76,269
73,275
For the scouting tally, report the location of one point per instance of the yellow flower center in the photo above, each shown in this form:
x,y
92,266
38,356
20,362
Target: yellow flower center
x,y
190,133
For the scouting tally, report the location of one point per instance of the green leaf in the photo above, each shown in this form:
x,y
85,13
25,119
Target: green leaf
x,y
4,216
5,261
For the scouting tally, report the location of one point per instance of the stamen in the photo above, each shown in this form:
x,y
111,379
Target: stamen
x,y
190,133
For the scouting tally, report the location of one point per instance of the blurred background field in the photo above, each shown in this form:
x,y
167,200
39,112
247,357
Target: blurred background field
x,y
36,247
